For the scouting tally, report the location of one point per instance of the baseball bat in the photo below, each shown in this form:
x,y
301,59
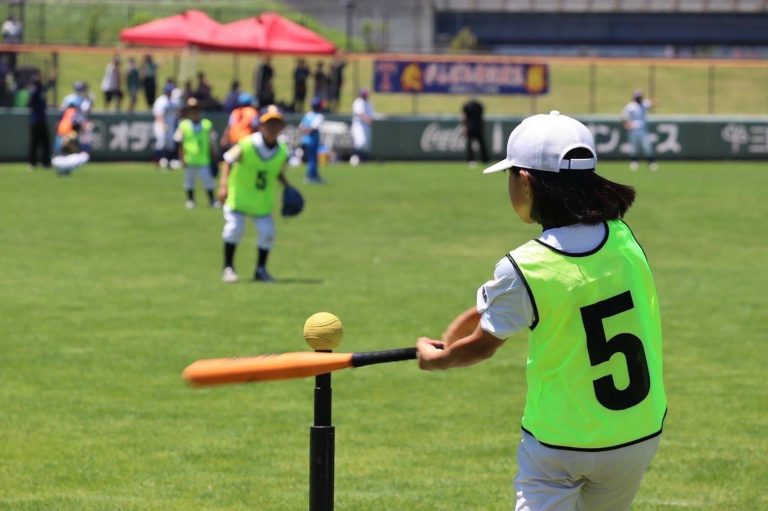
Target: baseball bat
x,y
284,366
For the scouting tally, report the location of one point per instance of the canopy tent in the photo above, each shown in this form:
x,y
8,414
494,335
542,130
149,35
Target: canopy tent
x,y
268,33
188,28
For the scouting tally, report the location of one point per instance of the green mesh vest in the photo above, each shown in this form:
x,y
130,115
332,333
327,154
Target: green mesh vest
x,y
252,180
594,369
196,144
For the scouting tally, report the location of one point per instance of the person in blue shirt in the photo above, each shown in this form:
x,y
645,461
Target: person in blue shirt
x,y
310,139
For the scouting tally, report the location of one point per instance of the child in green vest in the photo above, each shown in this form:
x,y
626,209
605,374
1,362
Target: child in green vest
x,y
247,185
194,136
596,402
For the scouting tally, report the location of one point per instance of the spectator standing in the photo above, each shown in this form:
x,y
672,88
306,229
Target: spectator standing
x,y
263,82
247,186
12,32
336,81
362,127
473,126
300,76
634,118
203,91
584,291
39,138
195,138
321,81
165,111
5,100
132,84
309,127
232,97
187,92
149,79
111,84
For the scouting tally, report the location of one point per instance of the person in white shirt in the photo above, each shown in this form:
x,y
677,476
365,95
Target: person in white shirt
x,y
110,84
362,127
166,113
635,122
12,34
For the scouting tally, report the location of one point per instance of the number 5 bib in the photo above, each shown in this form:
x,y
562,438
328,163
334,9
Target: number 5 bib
x,y
594,369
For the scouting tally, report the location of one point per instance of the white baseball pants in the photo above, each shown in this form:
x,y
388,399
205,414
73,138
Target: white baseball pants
x,y
562,480
234,227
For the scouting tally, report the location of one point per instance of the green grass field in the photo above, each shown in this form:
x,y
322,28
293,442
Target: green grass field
x,y
109,288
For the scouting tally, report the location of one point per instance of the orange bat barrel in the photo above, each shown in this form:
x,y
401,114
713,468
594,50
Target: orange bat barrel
x,y
283,366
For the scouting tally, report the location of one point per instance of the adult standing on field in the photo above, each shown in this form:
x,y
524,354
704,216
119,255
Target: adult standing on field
x,y
362,127
39,138
196,144
166,112
584,289
634,118
247,187
473,125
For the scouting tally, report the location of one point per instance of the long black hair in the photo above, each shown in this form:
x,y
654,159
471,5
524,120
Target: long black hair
x,y
576,196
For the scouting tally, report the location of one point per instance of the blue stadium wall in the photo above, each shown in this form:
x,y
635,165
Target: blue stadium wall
x,y
682,29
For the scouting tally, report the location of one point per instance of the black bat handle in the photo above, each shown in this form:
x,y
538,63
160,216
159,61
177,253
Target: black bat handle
x,y
380,357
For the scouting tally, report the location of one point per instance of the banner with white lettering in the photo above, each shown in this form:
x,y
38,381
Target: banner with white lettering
x,y
671,138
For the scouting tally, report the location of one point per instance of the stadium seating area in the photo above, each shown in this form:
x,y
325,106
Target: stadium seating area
x,y
602,5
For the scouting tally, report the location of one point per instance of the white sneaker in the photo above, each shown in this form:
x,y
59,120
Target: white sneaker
x,y
190,204
653,166
163,162
229,276
175,164
633,165
216,205
354,160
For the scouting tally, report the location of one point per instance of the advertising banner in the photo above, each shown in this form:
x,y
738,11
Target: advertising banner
x,y
440,77
118,137
671,138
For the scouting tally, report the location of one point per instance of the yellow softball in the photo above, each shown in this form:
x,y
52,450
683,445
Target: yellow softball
x,y
323,331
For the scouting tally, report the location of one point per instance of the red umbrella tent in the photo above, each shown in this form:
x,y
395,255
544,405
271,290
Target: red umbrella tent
x,y
190,27
268,33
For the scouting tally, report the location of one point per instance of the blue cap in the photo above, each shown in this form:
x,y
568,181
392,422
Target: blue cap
x,y
244,99
168,88
317,102
79,86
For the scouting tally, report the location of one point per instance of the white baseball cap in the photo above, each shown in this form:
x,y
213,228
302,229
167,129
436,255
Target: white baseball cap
x,y
541,141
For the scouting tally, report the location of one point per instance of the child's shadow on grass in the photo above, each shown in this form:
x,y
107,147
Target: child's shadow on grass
x,y
294,281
